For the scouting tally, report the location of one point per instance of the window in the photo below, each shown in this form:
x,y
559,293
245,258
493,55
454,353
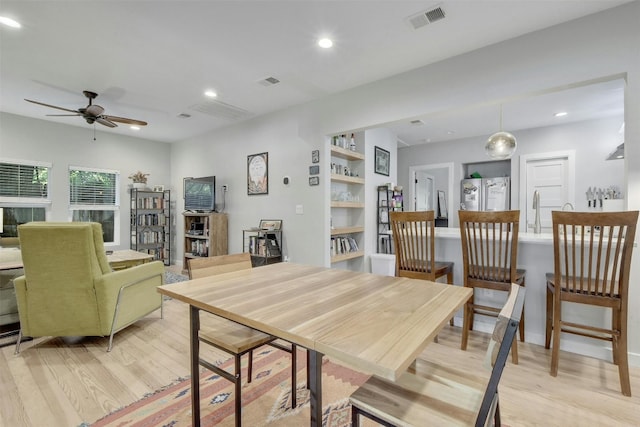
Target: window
x,y
93,197
24,194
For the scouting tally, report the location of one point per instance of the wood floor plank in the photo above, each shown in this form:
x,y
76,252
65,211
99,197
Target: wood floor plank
x,y
58,384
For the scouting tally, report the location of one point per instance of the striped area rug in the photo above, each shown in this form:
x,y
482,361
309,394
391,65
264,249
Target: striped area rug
x,y
266,401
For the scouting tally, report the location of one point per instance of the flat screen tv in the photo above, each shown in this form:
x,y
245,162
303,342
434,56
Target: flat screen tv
x,y
200,194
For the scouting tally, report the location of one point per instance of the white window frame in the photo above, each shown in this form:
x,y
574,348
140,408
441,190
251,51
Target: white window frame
x,y
28,202
85,207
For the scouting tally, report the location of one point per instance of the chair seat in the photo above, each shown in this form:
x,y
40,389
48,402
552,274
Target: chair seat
x,y
496,273
419,266
428,394
230,336
586,293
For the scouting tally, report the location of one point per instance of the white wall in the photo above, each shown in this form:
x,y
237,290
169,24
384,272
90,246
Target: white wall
x,y
592,141
24,138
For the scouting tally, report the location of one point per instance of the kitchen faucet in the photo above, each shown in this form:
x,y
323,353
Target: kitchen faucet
x,y
537,228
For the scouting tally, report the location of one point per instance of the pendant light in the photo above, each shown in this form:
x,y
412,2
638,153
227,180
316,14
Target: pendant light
x,y
501,145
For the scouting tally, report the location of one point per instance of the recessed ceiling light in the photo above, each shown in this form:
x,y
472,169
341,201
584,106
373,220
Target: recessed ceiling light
x,y
135,127
211,94
9,22
560,114
325,43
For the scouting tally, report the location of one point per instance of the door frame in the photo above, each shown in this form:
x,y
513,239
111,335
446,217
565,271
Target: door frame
x,y
525,159
412,179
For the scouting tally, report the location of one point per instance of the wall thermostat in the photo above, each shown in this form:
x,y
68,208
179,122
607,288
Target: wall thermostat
x,y
285,180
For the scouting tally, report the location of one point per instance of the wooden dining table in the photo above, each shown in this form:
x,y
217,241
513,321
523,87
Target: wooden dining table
x,y
375,324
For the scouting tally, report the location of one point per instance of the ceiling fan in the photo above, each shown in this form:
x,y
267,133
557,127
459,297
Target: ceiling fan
x,y
93,113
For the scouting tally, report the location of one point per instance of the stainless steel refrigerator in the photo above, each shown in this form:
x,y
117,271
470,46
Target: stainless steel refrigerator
x,y
485,194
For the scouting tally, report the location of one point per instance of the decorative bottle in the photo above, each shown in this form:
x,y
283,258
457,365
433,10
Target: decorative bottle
x,y
352,145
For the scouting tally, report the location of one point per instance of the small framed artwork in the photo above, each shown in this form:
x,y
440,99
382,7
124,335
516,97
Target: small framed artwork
x,y
258,174
314,180
159,188
314,170
315,156
270,224
382,161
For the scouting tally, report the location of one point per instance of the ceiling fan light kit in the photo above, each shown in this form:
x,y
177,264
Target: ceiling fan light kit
x,y
92,113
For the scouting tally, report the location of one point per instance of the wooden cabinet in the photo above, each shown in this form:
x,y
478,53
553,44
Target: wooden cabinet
x,y
150,228
205,235
389,200
347,202
265,246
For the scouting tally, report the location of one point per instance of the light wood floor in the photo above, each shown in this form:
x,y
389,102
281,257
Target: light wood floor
x,y
63,383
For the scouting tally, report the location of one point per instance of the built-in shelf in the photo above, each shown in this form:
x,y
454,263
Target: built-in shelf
x,y
346,230
347,179
347,256
346,154
337,204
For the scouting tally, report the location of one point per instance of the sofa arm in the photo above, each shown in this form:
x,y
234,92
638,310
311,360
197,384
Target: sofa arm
x,y
139,296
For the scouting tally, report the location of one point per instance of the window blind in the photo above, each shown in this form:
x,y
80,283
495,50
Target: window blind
x,y
87,187
24,181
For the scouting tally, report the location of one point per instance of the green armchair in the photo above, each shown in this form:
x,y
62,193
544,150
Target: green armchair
x,y
68,288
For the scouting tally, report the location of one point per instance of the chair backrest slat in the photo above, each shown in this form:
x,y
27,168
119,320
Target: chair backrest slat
x,y
414,242
592,251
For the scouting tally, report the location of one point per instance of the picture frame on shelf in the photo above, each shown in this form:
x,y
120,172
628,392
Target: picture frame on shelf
x,y
382,161
270,224
314,180
158,188
258,174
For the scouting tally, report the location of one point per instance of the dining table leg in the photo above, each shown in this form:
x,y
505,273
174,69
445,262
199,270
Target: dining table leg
x,y
195,366
315,386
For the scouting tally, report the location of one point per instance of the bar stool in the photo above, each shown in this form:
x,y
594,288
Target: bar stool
x,y
592,259
414,240
489,255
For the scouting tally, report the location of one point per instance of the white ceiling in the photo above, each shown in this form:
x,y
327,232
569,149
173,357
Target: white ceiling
x,y
152,60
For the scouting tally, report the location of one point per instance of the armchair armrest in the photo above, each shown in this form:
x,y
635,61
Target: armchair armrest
x,y
132,290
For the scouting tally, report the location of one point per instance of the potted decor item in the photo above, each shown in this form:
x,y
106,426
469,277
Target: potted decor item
x,y
139,179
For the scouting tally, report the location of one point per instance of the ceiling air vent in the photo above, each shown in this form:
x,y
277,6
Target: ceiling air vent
x,y
417,122
221,110
425,17
184,116
269,81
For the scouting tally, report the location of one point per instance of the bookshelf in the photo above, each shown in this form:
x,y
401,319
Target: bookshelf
x,y
205,235
389,200
347,205
150,228
265,246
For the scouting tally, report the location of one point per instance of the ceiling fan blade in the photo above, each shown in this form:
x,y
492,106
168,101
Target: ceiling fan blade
x,y
63,115
125,120
103,121
94,110
52,106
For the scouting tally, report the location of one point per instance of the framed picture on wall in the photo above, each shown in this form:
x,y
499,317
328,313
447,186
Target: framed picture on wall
x,y
258,174
382,161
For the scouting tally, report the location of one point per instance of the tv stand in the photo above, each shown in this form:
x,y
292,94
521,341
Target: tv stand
x,y
205,235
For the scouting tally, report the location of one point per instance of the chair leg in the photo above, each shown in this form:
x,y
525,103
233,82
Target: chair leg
x,y
514,351
622,354
308,370
238,386
615,342
549,320
557,329
294,381
450,282
250,367
355,419
522,319
17,350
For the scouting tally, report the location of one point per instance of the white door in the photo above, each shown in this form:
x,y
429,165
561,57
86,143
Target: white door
x,y
423,191
551,177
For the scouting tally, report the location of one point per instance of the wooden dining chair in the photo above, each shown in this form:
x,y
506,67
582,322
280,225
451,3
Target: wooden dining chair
x,y
592,259
232,337
435,394
489,257
414,241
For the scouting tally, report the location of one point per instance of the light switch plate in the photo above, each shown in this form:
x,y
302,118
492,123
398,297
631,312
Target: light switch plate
x,y
299,210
